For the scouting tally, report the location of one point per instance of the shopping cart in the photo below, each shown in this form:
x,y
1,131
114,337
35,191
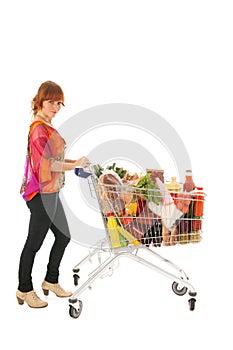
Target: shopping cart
x,y
139,220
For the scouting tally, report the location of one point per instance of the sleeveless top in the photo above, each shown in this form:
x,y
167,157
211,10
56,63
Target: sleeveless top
x,y
45,145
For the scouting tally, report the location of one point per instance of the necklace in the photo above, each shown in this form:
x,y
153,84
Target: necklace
x,y
44,119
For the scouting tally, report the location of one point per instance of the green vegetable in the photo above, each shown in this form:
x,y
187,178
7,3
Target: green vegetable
x,y
144,182
150,189
120,171
98,169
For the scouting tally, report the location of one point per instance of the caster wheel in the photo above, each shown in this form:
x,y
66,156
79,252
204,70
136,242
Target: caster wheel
x,y
76,278
192,302
178,290
75,313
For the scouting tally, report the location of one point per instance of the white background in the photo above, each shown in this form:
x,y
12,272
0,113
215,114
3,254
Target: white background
x,y
173,57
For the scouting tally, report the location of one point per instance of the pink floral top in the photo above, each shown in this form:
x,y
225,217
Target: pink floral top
x,y
45,146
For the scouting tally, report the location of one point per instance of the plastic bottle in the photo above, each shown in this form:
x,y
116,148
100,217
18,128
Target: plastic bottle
x,y
173,186
188,184
198,208
184,229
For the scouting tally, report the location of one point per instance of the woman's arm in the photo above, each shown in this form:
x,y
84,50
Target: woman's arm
x,y
69,164
69,160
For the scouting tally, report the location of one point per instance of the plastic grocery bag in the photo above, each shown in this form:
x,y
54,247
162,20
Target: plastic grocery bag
x,y
166,209
168,213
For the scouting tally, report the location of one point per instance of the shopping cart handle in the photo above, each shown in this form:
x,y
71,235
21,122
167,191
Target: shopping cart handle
x,y
82,173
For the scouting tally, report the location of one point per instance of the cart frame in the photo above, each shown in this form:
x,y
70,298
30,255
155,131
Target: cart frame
x,y
180,285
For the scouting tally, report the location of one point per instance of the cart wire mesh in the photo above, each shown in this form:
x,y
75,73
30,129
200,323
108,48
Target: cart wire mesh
x,y
137,216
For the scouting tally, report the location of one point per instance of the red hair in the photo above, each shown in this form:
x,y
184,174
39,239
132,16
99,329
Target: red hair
x,y
47,91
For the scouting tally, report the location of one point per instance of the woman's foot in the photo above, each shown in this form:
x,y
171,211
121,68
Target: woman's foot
x,y
55,288
31,298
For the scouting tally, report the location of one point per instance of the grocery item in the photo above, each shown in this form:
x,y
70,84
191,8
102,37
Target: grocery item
x,y
109,192
196,223
145,226
126,196
184,238
195,236
182,202
145,216
167,209
131,208
125,220
173,186
149,188
124,242
119,170
98,170
156,173
136,229
198,202
156,233
131,179
110,177
128,236
184,227
141,203
150,212
188,185
113,231
174,235
166,235
166,196
184,224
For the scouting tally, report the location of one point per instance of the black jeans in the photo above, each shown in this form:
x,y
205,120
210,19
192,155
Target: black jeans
x,y
46,213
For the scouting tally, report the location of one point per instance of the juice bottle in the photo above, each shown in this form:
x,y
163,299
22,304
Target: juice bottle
x,y
184,229
188,184
198,202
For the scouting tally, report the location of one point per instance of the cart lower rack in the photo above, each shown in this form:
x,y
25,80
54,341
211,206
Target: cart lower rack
x,y
140,220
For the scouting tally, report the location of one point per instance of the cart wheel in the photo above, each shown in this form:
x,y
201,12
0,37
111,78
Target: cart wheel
x,y
76,278
178,290
192,302
75,313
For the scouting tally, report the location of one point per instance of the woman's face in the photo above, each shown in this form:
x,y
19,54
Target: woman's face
x,y
51,108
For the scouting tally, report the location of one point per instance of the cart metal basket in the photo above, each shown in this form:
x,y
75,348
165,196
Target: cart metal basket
x,y
141,219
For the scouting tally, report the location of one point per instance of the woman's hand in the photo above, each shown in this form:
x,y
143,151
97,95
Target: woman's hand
x,y
82,162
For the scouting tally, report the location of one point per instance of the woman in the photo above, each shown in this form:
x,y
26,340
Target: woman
x,y
43,178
